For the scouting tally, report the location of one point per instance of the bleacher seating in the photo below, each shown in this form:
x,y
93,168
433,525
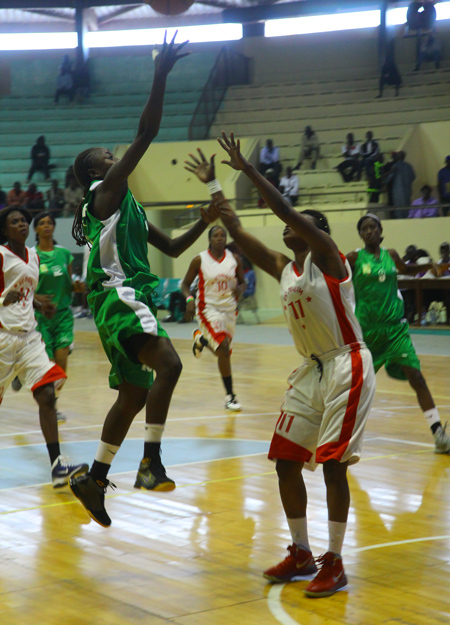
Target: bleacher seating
x,y
333,107
108,117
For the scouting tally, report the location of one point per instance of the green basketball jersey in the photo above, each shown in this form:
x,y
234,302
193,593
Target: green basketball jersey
x,y
54,277
378,300
118,255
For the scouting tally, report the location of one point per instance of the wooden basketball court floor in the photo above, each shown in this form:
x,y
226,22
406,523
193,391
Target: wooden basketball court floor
x,y
195,556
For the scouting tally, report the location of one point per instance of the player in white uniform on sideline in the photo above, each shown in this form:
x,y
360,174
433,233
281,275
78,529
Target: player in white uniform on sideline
x,y
220,283
329,396
22,351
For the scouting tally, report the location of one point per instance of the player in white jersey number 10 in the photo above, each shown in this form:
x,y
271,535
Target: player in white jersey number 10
x,y
220,284
329,396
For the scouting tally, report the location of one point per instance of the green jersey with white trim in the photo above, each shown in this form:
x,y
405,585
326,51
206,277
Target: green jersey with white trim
x,y
378,300
118,256
54,277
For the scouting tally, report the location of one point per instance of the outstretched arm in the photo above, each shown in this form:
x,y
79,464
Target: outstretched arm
x,y
110,192
175,247
324,250
268,260
412,268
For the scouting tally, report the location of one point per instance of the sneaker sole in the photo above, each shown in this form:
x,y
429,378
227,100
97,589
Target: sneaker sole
x,y
233,409
164,487
288,578
327,593
74,490
60,482
438,451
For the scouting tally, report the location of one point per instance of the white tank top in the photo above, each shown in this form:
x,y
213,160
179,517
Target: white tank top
x,y
319,309
17,274
217,281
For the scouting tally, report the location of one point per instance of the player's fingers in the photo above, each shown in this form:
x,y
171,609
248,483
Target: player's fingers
x,y
202,156
222,144
194,158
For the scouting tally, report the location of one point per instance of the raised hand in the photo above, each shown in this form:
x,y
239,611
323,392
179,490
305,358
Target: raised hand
x,y
169,55
210,214
233,149
205,172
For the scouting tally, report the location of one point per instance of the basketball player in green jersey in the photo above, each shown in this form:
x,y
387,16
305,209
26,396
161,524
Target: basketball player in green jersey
x,y
55,282
120,282
380,311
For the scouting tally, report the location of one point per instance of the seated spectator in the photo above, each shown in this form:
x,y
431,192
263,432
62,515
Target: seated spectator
x,y
444,185
429,51
426,205
73,194
310,148
269,158
16,197
389,71
55,197
3,201
444,252
423,258
82,82
289,186
401,176
40,159
349,166
34,199
368,151
64,86
410,255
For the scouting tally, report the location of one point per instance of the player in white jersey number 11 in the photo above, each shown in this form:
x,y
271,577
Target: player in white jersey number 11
x,y
329,396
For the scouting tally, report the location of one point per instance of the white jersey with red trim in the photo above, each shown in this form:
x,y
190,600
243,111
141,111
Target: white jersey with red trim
x,y
20,275
217,281
319,309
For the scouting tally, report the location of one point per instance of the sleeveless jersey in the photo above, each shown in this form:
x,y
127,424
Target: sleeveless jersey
x,y
319,309
18,275
217,281
54,278
118,256
378,300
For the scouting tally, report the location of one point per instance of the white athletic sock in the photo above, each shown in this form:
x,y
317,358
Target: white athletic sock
x,y
336,533
432,416
299,532
106,452
153,433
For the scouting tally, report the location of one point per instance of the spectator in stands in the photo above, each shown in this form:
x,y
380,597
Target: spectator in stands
x,y
410,255
269,158
444,252
368,151
16,197
429,51
66,65
3,200
310,148
389,72
401,176
34,199
423,258
73,194
426,205
349,166
40,159
82,82
64,86
444,185
375,170
55,197
289,186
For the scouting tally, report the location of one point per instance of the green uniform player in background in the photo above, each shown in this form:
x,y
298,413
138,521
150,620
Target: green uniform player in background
x,y
55,285
380,311
121,284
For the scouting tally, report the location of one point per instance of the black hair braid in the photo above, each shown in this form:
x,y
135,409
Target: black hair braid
x,y
319,218
81,168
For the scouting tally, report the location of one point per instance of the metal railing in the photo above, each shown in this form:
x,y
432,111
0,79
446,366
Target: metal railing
x,y
230,68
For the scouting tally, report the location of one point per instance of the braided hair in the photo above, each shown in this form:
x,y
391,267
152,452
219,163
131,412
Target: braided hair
x,y
319,218
81,167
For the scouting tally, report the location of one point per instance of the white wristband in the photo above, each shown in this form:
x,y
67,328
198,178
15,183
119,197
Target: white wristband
x,y
214,186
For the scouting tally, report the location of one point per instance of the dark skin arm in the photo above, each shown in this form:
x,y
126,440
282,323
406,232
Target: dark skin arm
x,y
110,193
188,279
241,285
270,261
175,247
44,305
412,269
324,251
